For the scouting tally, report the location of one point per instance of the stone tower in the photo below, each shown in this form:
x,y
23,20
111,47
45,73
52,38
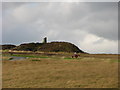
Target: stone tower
x,y
45,40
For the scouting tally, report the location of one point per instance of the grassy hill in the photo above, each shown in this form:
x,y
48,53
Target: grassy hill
x,y
28,47
48,47
59,47
7,46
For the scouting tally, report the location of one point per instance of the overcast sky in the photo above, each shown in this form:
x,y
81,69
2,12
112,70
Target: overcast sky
x,y
92,26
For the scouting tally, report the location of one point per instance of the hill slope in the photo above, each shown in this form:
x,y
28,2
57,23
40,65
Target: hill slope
x,y
27,47
7,46
59,47
48,47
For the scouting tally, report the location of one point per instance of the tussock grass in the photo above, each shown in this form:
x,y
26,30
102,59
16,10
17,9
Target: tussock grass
x,y
31,56
61,71
35,60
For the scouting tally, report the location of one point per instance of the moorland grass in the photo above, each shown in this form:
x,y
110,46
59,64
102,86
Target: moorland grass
x,y
56,72
31,56
35,60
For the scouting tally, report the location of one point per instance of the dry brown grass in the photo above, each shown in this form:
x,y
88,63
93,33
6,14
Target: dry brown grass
x,y
87,72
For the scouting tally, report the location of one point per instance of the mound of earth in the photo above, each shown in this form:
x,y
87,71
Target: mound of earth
x,y
28,47
7,47
59,47
48,47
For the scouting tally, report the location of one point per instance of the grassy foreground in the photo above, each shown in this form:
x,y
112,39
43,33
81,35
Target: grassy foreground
x,y
60,72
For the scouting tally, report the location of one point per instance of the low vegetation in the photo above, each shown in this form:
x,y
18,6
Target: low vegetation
x,y
44,47
60,71
8,46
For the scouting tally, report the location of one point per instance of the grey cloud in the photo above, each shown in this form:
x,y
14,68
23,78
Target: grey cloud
x,y
11,5
24,22
98,41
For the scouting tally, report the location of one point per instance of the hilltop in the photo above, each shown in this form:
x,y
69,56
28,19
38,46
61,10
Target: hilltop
x,y
45,47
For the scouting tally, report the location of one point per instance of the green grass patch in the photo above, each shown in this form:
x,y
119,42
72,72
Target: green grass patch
x,y
68,58
6,55
115,60
31,56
